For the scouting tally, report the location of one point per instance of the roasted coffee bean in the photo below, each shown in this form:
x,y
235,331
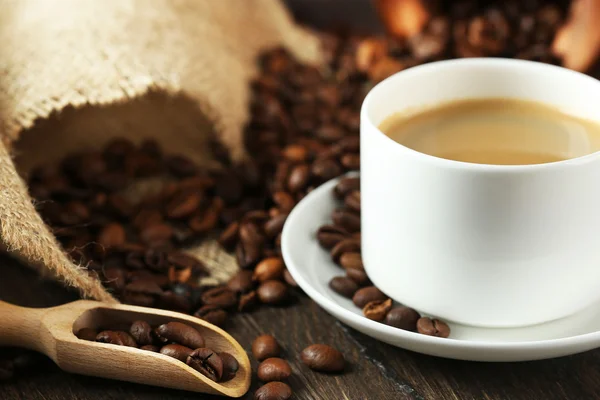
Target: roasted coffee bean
x,y
181,166
298,178
247,301
274,226
230,366
265,346
241,282
150,347
183,205
183,260
330,235
351,260
350,161
326,169
179,275
343,286
114,277
212,314
352,201
403,318
157,233
205,222
171,301
377,310
272,292
141,331
273,369
251,234
87,334
207,362
289,279
359,276
284,201
345,186
366,295
220,296
350,245
269,269
229,188
112,235
147,217
229,236
120,338
347,219
273,391
295,153
176,351
180,333
138,299
144,286
433,327
323,358
247,255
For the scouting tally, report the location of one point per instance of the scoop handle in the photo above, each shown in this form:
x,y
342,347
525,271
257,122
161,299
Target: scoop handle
x,y
20,326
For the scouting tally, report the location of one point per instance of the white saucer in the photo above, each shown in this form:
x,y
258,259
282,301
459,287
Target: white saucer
x,y
312,268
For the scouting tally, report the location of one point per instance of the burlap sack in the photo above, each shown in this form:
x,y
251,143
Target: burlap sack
x,y
75,73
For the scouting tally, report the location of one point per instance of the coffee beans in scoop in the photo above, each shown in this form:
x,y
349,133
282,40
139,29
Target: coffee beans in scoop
x,y
174,339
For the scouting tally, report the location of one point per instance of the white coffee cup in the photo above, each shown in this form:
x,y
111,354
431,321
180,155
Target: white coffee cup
x,y
485,245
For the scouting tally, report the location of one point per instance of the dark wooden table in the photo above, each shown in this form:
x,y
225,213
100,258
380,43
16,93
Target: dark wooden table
x,y
377,371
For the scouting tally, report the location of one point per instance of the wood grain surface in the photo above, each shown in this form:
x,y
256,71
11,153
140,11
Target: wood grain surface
x,y
377,370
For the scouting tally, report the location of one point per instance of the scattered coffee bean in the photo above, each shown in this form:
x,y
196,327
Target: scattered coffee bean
x,y
176,351
272,292
212,314
248,301
220,296
207,362
321,357
377,310
273,391
241,282
230,366
343,286
87,334
403,318
273,369
265,346
433,327
119,338
367,295
269,269
141,331
179,333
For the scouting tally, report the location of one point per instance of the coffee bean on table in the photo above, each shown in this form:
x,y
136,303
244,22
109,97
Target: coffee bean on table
x,y
273,391
141,331
433,327
269,269
176,351
366,295
212,314
343,286
241,282
403,318
179,333
377,310
207,362
323,358
230,366
273,369
150,347
120,338
265,346
220,296
248,301
272,292
87,334
229,236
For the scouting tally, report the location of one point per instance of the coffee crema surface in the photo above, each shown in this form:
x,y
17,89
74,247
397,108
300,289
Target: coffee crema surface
x,y
494,131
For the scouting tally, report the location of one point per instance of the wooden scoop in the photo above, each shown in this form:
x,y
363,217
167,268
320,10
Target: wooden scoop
x,y
52,331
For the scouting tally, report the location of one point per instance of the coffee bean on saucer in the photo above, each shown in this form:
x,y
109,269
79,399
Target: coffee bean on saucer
x,y
273,391
347,219
230,366
351,260
359,276
377,310
180,333
366,295
433,327
176,351
273,369
343,286
330,235
403,318
345,246
207,362
265,346
321,357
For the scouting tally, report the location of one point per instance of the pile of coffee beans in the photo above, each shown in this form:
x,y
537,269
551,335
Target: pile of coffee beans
x,y
272,369
174,339
342,239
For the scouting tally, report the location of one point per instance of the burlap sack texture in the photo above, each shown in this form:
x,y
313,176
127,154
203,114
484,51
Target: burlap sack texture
x,y
75,73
